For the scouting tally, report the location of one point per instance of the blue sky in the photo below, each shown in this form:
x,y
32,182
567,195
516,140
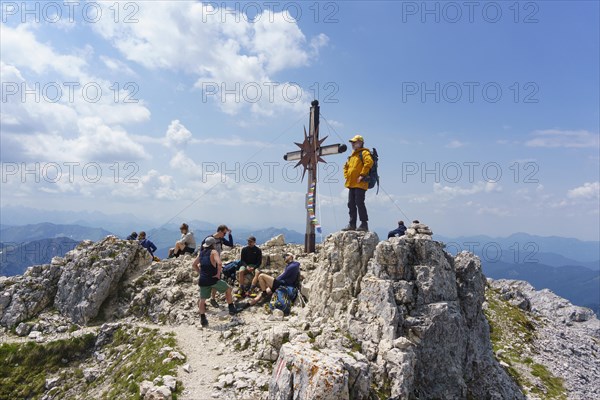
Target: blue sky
x,y
500,103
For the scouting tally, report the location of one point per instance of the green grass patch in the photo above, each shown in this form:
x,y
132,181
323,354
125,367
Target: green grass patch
x,y
513,332
24,367
142,363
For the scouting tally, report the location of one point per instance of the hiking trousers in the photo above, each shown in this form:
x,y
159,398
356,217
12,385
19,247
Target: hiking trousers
x,y
356,204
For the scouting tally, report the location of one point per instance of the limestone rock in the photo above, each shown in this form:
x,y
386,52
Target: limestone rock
x,y
566,336
344,258
415,312
23,297
92,272
303,373
278,240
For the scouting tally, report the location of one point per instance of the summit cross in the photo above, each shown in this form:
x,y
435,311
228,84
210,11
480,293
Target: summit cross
x,y
309,155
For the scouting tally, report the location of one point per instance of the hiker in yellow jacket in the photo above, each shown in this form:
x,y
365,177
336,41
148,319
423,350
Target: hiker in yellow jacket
x,y
356,170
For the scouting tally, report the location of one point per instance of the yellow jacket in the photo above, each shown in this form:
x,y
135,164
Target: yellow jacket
x,y
354,168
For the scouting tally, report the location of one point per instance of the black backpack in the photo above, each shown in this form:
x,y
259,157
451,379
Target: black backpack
x,y
373,176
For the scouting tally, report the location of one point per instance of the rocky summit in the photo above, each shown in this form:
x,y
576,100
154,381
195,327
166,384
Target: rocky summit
x,y
393,319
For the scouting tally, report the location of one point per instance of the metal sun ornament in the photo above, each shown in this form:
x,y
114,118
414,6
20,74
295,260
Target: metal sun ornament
x,y
310,152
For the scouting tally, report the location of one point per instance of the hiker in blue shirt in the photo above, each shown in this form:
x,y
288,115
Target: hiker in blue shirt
x,y
399,231
133,236
289,277
146,243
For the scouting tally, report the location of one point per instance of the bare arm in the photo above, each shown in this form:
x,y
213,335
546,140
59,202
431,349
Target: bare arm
x,y
216,259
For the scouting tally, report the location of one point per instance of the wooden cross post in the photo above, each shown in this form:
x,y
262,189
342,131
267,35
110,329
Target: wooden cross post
x,y
309,156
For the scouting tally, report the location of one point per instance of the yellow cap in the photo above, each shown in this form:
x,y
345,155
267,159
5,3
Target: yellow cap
x,y
357,138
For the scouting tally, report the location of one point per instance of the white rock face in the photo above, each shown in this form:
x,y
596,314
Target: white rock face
x,y
92,272
303,373
567,337
278,240
413,310
22,297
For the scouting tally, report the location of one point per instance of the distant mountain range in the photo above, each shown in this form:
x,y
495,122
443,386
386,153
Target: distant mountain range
x,y
569,267
14,259
522,245
578,284
27,233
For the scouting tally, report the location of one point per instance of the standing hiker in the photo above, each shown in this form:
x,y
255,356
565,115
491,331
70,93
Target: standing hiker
x,y
356,170
209,266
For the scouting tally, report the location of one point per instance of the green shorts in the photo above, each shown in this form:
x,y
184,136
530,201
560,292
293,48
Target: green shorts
x,y
245,267
221,287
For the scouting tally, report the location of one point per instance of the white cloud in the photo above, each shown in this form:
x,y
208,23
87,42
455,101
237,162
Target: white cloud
x,y
95,142
234,141
455,144
177,134
67,123
117,65
20,47
221,48
450,192
563,138
588,191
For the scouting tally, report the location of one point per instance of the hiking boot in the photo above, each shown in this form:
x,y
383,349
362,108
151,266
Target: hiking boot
x,y
203,321
214,303
364,227
232,309
264,298
350,227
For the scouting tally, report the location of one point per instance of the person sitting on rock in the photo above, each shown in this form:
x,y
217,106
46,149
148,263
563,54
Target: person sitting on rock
x,y
220,240
251,259
399,231
209,266
133,236
146,243
185,245
289,277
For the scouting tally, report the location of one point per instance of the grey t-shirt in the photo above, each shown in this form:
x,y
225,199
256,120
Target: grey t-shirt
x,y
188,240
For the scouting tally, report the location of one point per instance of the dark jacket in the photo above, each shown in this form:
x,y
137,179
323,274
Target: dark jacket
x,y
290,275
399,231
251,256
148,245
207,270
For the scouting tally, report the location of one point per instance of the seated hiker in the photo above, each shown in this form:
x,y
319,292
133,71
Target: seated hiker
x,y
133,236
220,240
251,259
399,231
146,243
187,243
289,277
208,264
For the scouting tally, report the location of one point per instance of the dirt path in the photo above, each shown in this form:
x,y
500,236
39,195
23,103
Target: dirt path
x,y
206,353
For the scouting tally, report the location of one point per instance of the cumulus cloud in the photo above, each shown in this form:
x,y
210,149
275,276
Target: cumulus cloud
x,y
588,191
222,48
65,123
553,138
96,142
455,191
177,134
